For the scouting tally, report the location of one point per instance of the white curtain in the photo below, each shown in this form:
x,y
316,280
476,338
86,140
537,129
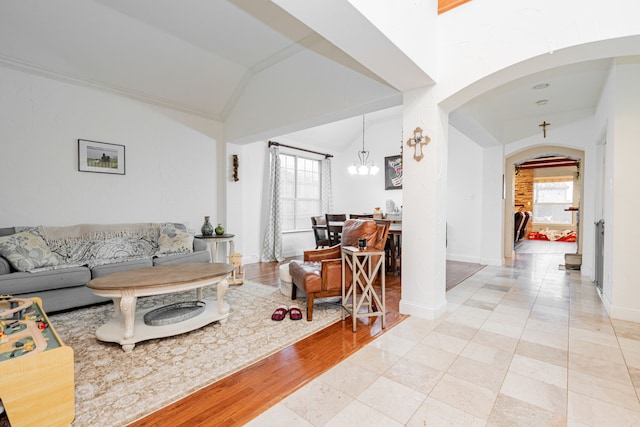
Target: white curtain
x,y
325,187
272,244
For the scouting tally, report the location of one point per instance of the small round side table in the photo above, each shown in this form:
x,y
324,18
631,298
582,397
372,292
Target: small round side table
x,y
215,239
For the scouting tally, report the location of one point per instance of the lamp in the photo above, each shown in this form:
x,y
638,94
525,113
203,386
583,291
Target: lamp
x,y
363,166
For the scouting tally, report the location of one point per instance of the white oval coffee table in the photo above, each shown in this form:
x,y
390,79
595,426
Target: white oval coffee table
x,y
126,327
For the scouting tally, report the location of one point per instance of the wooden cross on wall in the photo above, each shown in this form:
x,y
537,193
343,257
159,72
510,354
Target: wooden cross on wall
x,y
544,125
417,142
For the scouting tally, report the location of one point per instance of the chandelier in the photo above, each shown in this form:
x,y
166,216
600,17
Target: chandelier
x,y
362,166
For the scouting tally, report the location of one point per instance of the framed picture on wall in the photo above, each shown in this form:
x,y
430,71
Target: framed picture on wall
x,y
393,172
100,157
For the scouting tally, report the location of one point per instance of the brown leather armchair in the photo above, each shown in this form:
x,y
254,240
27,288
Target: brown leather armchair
x,y
320,273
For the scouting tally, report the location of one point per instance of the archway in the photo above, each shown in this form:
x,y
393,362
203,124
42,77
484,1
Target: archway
x,y
509,168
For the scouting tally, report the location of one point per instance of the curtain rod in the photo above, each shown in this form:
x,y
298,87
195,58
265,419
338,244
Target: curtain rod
x,y
278,144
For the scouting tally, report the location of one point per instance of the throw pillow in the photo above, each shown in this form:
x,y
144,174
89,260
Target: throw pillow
x,y
174,241
26,250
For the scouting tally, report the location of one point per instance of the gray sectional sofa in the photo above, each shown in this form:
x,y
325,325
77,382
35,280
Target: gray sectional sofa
x,y
56,263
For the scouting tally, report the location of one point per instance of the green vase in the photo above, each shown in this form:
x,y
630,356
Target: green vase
x,y
207,228
219,230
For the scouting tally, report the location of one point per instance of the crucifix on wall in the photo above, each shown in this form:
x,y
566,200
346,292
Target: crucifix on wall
x,y
417,142
544,125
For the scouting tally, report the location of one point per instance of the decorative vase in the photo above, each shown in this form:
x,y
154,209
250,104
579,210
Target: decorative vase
x,y
219,230
207,228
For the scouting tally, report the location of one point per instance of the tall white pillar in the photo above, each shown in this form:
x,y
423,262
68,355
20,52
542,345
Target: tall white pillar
x,y
424,208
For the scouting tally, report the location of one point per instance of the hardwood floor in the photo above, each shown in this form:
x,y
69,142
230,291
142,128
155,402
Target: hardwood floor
x,y
240,397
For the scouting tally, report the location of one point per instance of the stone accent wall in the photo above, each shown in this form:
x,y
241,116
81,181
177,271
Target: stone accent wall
x,y
523,195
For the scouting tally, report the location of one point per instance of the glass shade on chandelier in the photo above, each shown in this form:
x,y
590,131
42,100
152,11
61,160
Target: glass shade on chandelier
x,y
362,166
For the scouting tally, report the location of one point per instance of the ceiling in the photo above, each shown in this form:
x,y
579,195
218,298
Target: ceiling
x,y
507,113
200,56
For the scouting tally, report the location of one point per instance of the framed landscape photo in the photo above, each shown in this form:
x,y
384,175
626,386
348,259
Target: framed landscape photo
x,y
100,157
393,172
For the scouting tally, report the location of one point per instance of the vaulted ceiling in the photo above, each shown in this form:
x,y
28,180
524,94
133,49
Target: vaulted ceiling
x,y
195,55
203,56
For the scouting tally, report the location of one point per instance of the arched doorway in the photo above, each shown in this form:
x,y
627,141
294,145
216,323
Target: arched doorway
x,y
514,164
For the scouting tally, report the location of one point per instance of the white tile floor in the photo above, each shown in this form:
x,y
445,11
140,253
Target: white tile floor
x,y
522,345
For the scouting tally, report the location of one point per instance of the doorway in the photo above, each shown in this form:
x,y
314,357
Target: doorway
x,y
543,193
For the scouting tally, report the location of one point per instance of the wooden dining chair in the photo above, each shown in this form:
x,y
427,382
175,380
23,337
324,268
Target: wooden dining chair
x,y
334,227
319,225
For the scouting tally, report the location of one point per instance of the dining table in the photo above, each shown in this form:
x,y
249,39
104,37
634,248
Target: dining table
x,y
394,240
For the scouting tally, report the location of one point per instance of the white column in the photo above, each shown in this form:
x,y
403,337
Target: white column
x,y
424,208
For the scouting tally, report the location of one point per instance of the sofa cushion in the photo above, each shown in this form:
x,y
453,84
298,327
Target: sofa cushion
x,y
24,282
173,240
5,267
306,275
7,231
103,270
27,250
198,256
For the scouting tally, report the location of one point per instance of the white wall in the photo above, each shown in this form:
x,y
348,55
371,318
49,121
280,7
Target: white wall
x,y
625,296
464,198
355,194
484,44
247,201
604,125
247,198
170,157
493,182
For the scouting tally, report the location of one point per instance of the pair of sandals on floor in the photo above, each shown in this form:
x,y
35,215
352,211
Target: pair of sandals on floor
x,y
281,313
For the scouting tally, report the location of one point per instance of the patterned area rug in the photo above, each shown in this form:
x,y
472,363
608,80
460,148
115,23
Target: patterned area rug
x,y
114,388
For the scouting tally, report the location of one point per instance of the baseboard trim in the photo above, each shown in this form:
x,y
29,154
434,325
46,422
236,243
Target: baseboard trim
x,y
422,311
621,313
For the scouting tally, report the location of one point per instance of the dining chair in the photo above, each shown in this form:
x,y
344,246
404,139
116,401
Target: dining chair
x,y
334,227
319,225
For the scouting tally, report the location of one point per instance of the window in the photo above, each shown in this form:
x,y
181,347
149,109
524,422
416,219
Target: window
x,y
300,191
550,199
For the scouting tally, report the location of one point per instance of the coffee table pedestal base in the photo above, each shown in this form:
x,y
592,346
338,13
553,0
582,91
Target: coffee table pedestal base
x,y
114,329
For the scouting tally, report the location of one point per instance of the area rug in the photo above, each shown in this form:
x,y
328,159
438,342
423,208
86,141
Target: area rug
x,y
114,388
458,271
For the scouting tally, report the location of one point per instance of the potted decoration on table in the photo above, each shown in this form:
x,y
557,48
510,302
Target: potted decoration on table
x,y
207,228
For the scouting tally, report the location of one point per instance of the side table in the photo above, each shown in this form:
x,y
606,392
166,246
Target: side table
x,y
365,266
214,240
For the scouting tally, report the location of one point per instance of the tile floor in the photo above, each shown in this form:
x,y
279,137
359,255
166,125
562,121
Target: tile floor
x,y
522,345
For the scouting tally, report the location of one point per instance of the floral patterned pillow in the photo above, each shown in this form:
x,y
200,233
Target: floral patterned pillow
x,y
27,250
174,241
